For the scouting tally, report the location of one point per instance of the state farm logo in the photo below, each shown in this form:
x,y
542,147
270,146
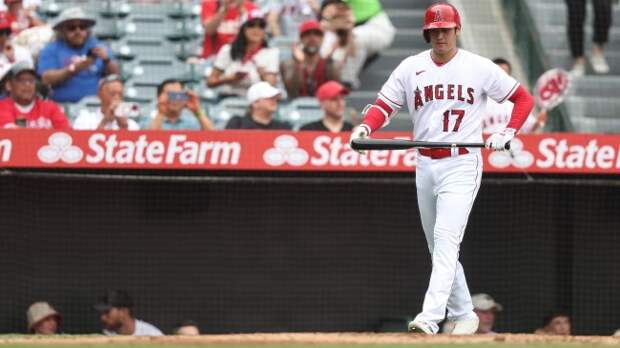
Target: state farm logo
x,y
516,156
286,151
60,148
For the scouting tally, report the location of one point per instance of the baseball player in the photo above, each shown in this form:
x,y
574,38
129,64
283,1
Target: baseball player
x,y
446,89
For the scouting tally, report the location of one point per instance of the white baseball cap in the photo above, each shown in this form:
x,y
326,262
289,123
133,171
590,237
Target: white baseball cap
x,y
485,302
262,90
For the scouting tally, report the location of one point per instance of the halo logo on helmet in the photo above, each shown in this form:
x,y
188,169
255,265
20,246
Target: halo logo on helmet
x,y
440,15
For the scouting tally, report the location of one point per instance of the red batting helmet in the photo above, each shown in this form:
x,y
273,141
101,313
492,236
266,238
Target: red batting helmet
x,y
441,15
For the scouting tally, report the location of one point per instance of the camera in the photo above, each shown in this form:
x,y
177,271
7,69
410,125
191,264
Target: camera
x,y
127,109
177,96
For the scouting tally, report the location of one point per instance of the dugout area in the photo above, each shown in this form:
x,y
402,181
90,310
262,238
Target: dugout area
x,y
292,253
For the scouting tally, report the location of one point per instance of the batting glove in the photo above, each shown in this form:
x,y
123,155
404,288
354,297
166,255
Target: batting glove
x,y
359,132
499,141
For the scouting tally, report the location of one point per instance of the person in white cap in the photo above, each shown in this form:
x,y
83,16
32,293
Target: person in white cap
x,y
74,63
263,99
43,319
486,308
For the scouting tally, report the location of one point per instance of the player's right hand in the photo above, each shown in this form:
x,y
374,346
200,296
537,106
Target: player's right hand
x,y
358,132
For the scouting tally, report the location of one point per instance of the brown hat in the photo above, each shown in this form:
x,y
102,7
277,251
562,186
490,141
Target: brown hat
x,y
39,311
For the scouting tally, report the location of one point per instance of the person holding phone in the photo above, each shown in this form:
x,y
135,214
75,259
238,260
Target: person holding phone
x,y
173,104
23,109
114,113
74,63
245,61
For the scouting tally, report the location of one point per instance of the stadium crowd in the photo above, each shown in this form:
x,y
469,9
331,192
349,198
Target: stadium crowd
x,y
45,68
116,314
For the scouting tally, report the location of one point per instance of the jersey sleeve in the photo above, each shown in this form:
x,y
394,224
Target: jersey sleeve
x,y
393,91
498,85
270,61
223,59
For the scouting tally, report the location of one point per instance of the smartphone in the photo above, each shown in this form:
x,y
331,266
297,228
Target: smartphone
x,y
127,109
91,52
177,96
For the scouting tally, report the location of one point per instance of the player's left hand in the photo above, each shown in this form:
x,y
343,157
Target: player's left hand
x,y
498,141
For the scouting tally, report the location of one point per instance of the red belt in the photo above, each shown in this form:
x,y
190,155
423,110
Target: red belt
x,y
441,152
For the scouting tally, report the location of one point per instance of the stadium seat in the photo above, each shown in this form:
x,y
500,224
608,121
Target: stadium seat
x,y
153,26
49,9
180,10
113,29
300,111
112,8
186,30
226,109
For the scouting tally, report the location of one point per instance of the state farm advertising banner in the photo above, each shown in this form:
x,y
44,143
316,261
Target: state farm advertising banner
x,y
270,150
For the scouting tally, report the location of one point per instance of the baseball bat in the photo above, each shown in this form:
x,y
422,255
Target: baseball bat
x,y
401,144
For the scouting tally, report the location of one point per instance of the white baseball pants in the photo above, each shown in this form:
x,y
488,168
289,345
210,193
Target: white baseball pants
x,y
446,190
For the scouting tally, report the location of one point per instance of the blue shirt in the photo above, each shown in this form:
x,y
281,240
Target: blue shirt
x,y
185,122
58,55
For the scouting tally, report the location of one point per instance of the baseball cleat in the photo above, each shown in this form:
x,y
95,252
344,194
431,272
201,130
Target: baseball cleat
x,y
466,327
420,327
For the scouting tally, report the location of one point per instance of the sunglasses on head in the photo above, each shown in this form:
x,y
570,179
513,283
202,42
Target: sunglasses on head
x,y
257,23
74,27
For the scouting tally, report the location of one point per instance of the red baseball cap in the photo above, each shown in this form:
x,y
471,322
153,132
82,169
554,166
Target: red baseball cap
x,y
309,25
331,89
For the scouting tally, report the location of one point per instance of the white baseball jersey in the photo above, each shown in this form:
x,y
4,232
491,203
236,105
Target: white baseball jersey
x,y
497,117
448,101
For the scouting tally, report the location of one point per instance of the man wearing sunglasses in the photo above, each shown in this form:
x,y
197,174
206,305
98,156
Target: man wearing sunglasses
x,y
9,52
23,109
74,63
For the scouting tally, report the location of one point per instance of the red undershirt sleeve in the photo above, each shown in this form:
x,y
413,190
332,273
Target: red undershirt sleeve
x,y
523,105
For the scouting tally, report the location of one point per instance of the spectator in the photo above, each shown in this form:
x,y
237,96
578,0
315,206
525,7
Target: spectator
x,y
221,20
263,99
23,109
187,328
31,5
373,28
497,115
20,17
9,52
246,60
352,40
172,100
43,319
113,114
331,96
307,70
116,314
555,324
284,15
74,63
602,23
486,308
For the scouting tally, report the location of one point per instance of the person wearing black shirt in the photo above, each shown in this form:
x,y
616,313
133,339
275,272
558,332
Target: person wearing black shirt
x,y
331,96
263,99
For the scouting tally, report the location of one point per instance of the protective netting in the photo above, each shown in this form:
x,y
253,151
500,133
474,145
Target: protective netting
x,y
271,254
